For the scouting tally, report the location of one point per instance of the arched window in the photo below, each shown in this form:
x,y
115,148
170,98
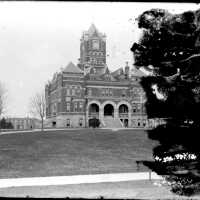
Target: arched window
x,y
75,106
123,108
81,106
68,107
89,92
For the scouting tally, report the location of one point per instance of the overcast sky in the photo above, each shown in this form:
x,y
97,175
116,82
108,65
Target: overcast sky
x,y
38,38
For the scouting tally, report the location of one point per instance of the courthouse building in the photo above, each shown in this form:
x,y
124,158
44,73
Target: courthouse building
x,y
90,90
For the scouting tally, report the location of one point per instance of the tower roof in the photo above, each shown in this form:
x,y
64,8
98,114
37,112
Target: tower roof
x,y
93,31
71,68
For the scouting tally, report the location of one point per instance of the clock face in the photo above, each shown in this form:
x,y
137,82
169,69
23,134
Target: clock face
x,y
95,44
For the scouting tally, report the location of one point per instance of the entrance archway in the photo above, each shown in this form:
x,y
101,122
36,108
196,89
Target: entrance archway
x,y
109,110
124,113
93,108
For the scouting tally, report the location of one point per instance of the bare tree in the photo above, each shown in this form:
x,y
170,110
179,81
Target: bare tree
x,y
2,100
38,107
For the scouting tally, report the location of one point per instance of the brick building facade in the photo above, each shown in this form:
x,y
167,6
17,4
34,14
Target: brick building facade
x,y
89,89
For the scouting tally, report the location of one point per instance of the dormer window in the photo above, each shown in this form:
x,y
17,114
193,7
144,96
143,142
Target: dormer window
x,y
89,92
123,93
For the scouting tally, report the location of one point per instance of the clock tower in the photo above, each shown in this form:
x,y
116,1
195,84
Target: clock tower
x,y
93,50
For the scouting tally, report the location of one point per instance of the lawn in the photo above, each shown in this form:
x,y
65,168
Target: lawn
x,y
73,152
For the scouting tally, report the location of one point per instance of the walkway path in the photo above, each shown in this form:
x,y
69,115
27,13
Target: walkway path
x,y
77,179
66,129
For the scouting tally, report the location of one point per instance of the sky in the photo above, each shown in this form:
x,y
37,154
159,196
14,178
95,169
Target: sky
x,y
38,38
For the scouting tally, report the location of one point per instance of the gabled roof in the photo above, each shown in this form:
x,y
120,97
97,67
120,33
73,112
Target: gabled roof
x,y
93,31
107,76
137,72
71,68
107,71
118,72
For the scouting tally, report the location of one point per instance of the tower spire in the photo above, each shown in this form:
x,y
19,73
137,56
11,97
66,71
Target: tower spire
x,y
93,49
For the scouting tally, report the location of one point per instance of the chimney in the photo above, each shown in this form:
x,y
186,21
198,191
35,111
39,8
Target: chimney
x,y
127,70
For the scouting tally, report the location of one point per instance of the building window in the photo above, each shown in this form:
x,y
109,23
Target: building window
x,y
54,124
75,107
68,123
68,107
110,92
54,109
123,93
107,92
139,123
81,106
89,92
73,92
134,108
68,99
81,122
139,107
103,92
78,91
68,92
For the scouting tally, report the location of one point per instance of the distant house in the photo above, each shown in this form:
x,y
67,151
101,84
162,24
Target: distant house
x,y
24,123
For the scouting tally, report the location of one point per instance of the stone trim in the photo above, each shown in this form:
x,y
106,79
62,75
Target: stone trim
x,y
101,86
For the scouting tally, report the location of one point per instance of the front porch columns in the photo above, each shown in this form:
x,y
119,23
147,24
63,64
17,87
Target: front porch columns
x,y
129,118
116,114
86,119
101,113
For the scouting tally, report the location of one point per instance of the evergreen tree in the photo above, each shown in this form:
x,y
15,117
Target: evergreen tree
x,y
170,48
3,123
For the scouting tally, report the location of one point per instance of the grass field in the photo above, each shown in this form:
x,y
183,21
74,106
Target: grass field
x,y
73,152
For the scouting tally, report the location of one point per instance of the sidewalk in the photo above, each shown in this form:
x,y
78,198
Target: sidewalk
x,y
144,185
144,189
77,179
119,185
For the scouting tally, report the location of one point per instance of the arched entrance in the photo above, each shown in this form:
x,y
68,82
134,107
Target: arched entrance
x,y
93,118
123,114
93,110
109,110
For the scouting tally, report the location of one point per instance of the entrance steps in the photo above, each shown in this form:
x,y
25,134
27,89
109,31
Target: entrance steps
x,y
110,122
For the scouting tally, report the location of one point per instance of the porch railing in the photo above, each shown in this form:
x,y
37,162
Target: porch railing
x,y
93,115
123,115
